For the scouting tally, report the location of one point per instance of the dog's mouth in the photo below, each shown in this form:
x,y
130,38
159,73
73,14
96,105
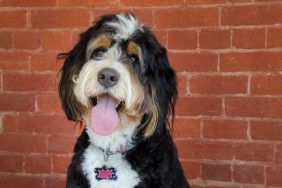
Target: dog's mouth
x,y
119,104
105,113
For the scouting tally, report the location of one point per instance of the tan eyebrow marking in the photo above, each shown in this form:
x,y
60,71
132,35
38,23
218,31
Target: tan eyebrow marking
x,y
134,48
101,41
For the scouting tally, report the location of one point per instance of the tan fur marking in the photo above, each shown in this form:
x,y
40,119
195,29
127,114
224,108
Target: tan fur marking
x,y
101,41
151,125
133,48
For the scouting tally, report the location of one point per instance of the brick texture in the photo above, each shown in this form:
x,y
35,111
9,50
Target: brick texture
x,y
228,59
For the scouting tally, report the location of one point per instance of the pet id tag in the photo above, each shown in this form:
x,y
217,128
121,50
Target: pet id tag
x,y
105,173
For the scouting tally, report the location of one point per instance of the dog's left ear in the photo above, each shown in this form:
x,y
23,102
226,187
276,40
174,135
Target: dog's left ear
x,y
166,89
162,86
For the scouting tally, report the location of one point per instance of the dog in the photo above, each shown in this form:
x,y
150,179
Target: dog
x,y
118,81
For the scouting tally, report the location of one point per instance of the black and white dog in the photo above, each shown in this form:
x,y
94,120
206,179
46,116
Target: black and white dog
x,y
117,79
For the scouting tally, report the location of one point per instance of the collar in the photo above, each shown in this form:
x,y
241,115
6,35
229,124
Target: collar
x,y
107,152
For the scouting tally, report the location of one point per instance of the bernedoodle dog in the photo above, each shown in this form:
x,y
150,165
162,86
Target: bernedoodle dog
x,y
118,81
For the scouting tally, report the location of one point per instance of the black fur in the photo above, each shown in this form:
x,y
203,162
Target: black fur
x,y
155,158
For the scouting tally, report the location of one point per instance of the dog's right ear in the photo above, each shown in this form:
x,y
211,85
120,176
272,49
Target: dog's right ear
x,y
74,61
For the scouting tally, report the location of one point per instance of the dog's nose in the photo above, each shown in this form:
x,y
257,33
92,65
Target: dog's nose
x,y
108,77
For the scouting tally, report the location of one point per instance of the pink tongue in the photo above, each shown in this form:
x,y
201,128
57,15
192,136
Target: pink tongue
x,y
104,118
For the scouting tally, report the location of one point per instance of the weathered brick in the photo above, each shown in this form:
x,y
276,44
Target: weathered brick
x,y
186,17
218,84
60,18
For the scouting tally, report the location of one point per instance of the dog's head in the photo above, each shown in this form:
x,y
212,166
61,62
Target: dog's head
x,y
118,75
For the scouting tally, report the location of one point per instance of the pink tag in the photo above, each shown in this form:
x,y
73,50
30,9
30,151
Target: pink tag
x,y
105,173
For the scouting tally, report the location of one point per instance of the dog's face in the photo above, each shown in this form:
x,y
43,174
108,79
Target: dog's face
x,y
117,76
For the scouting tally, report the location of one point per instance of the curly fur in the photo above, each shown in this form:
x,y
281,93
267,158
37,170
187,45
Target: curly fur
x,y
149,91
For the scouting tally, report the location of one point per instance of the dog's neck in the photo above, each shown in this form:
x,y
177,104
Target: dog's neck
x,y
114,142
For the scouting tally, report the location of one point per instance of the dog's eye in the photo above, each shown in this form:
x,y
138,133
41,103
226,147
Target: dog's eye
x,y
132,58
98,53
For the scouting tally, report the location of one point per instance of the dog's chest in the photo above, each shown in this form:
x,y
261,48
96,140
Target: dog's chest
x,y
115,172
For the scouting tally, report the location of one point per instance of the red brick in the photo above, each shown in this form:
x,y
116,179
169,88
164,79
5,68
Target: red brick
x,y
55,181
215,39
240,1
10,123
45,62
23,181
6,39
13,58
137,3
218,84
219,2
161,37
39,123
76,35
29,82
254,152
37,164
186,17
182,85
268,84
13,19
248,174
194,62
61,163
14,65
267,0
279,154
27,40
254,107
11,163
219,172
266,130
249,38
23,102
199,2
274,38
225,129
182,40
60,18
197,149
256,61
225,186
186,128
274,175
252,15
144,15
87,3
192,170
59,41
195,106
61,144
28,3
23,143
49,103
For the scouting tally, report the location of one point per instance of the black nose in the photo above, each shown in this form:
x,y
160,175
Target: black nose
x,y
108,77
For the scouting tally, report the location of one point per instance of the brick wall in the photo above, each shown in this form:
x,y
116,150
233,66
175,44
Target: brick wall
x,y
228,57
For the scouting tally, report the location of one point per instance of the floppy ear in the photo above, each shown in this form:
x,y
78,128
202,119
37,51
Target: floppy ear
x,y
166,89
162,87
74,61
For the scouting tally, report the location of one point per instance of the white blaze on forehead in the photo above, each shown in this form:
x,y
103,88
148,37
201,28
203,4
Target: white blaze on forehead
x,y
125,25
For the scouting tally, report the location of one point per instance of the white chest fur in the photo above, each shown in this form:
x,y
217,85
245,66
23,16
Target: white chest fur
x,y
94,158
